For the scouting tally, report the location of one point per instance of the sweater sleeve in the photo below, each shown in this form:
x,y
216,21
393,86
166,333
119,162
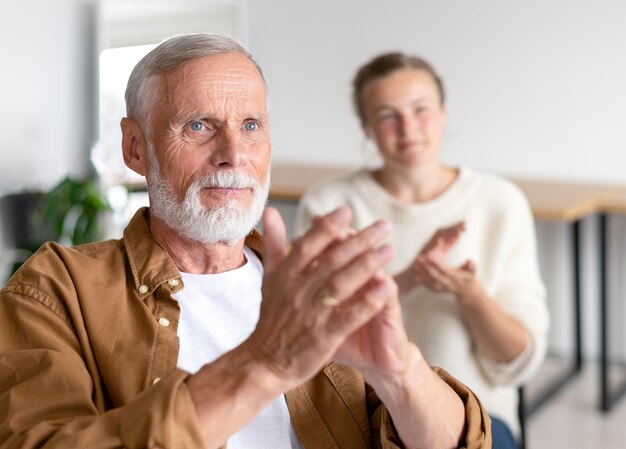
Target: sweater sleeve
x,y
520,293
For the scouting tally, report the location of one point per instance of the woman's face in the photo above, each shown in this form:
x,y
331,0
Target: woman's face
x,y
404,115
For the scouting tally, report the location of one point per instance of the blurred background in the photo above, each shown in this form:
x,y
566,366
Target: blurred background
x,y
535,91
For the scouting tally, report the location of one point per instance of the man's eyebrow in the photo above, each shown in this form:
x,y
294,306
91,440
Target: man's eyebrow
x,y
186,117
260,117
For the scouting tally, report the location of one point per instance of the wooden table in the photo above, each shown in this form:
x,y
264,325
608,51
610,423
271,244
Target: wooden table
x,y
566,202
549,200
290,181
562,200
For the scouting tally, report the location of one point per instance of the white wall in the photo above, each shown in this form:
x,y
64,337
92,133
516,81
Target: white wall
x,y
46,106
535,89
46,110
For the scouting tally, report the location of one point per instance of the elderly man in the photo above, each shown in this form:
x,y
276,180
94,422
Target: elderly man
x,y
178,336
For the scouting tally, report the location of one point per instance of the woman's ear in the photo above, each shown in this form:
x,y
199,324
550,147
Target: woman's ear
x,y
134,146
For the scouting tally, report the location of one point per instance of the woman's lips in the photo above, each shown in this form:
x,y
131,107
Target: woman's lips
x,y
410,144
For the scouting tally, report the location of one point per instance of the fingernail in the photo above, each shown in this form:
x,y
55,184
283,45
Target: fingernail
x,y
379,275
340,214
382,227
384,253
382,287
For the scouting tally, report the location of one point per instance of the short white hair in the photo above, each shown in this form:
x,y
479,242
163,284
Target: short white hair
x,y
169,55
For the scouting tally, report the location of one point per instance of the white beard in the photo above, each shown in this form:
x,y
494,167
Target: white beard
x,y
228,223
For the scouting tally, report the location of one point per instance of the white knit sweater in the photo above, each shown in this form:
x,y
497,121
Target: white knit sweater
x,y
499,238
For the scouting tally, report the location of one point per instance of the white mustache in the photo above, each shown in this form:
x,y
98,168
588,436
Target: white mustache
x,y
228,180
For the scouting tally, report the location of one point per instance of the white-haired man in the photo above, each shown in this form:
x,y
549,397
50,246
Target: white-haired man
x,y
178,336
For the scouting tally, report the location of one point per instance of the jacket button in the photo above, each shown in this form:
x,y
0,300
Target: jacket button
x,y
164,322
143,289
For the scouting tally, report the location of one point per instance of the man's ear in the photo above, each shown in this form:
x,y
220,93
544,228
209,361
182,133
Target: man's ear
x,y
134,146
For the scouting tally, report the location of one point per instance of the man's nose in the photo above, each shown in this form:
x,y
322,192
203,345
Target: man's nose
x,y
229,150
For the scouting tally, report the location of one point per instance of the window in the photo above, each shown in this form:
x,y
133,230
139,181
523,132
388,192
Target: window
x,y
127,31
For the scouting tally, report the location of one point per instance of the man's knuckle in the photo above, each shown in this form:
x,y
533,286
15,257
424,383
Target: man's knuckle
x,y
370,262
328,227
334,286
332,259
301,248
350,317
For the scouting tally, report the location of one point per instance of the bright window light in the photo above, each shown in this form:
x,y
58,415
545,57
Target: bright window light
x,y
116,64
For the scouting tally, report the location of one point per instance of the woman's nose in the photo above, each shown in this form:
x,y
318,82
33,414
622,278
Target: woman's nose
x,y
409,123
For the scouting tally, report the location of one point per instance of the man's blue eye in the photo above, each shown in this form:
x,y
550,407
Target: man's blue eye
x,y
196,126
251,126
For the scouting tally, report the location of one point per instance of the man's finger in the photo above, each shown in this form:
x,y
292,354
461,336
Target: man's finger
x,y
274,240
343,250
344,282
362,306
324,231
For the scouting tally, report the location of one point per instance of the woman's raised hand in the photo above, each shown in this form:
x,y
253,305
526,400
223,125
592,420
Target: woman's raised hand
x,y
435,251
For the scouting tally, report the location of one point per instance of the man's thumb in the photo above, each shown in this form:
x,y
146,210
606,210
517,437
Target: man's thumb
x,y
274,239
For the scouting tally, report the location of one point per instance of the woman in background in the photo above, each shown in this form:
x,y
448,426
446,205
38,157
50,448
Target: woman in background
x,y
466,261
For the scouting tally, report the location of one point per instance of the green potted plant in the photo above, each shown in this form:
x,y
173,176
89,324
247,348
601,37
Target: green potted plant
x,y
68,213
73,208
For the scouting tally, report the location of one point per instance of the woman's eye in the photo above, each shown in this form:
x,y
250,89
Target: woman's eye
x,y
196,126
251,126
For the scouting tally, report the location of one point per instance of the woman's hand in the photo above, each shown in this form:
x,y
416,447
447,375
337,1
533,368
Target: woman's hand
x,y
461,281
436,250
499,336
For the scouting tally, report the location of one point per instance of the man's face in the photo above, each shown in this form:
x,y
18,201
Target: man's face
x,y
209,147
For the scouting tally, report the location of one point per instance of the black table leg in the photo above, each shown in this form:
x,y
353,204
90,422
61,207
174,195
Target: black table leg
x,y
521,415
560,381
577,296
608,398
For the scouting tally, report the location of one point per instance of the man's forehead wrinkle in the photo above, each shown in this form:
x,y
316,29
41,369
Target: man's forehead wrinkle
x,y
229,83
221,92
234,80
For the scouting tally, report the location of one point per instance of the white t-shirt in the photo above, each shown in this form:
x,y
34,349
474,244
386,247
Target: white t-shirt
x,y
218,312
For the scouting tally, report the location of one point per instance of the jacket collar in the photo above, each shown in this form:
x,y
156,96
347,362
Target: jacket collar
x,y
150,264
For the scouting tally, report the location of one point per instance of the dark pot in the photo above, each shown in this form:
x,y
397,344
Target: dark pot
x,y
22,222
